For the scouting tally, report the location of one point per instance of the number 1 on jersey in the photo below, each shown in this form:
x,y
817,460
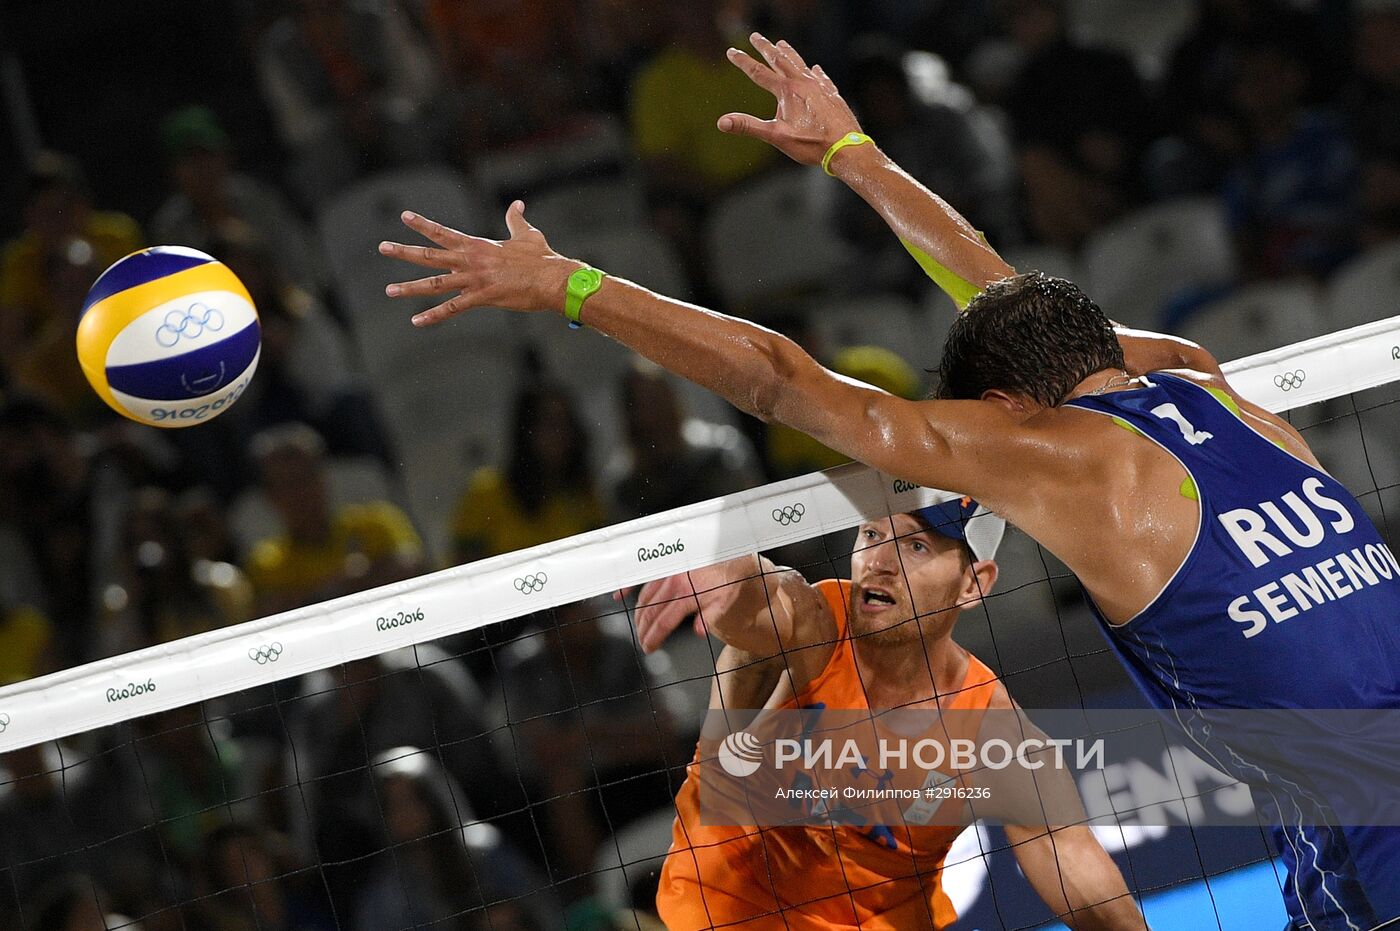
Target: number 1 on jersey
x,y
1189,433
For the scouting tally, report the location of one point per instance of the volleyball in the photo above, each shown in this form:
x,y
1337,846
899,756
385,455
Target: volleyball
x,y
169,337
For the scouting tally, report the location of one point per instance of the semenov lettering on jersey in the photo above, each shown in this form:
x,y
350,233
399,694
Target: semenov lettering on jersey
x,y
1266,532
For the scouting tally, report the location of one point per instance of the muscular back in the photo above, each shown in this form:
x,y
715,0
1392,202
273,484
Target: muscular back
x,y
1117,515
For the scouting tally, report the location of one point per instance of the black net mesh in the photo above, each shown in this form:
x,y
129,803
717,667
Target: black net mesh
x,y
521,776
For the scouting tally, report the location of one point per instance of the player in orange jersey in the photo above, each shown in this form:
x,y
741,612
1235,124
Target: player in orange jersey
x,y
882,640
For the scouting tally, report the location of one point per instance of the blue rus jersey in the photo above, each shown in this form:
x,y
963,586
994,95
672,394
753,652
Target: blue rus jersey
x,y
1289,598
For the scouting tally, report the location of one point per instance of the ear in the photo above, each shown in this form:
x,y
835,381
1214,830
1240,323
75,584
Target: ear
x,y
978,580
1013,403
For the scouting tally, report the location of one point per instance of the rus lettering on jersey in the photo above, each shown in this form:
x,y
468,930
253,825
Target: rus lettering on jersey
x,y
1302,520
1277,528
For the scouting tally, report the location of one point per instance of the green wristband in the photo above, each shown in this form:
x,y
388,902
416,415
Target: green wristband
x,y
839,144
582,284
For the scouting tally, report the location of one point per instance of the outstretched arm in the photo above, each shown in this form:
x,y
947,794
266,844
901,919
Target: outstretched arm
x,y
972,446
811,117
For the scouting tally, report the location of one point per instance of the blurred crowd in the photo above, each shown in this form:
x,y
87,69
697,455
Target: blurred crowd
x,y
504,766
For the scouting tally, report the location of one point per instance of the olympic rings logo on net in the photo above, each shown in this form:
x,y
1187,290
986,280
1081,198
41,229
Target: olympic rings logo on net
x,y
189,324
789,515
529,584
1290,380
266,653
4,722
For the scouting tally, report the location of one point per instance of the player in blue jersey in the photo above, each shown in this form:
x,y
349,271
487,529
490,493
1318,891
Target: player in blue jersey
x,y
1224,563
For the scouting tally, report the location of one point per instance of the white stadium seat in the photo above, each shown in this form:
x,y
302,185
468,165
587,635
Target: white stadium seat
x,y
885,320
352,226
447,414
635,850
353,223
636,253
1145,32
600,203
772,236
1049,259
600,147
1365,289
1133,266
1257,318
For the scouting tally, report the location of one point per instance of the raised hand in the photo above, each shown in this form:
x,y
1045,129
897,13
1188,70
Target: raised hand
x,y
519,273
811,114
663,606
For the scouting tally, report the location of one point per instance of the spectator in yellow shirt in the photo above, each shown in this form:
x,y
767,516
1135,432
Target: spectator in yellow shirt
x,y
325,551
676,100
26,644
43,363
546,491
678,97
57,209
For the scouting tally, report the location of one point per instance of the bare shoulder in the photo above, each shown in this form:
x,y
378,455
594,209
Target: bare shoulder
x,y
1000,699
1145,352
1263,421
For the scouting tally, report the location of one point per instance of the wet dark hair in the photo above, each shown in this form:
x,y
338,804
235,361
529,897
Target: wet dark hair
x,y
1033,335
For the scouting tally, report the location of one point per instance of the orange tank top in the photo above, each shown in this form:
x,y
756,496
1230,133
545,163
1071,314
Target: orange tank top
x,y
883,878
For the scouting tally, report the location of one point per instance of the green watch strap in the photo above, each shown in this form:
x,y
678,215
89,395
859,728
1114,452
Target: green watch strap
x,y
582,284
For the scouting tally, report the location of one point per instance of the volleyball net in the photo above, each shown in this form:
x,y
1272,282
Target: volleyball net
x,y
487,747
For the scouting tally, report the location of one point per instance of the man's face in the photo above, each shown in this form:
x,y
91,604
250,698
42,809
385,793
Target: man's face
x,y
901,570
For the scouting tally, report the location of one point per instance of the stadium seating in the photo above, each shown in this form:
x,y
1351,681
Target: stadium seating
x,y
1366,288
599,203
771,236
627,856
636,253
350,481
1146,32
885,320
353,223
1257,318
599,147
1135,265
351,228
447,412
1049,259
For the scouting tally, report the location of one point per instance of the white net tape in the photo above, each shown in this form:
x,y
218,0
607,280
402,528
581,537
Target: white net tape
x,y
429,607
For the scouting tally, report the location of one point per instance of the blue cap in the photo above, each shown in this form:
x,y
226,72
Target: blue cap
x,y
966,520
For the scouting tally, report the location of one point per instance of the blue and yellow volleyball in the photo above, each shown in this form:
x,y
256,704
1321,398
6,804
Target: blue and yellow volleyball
x,y
169,337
